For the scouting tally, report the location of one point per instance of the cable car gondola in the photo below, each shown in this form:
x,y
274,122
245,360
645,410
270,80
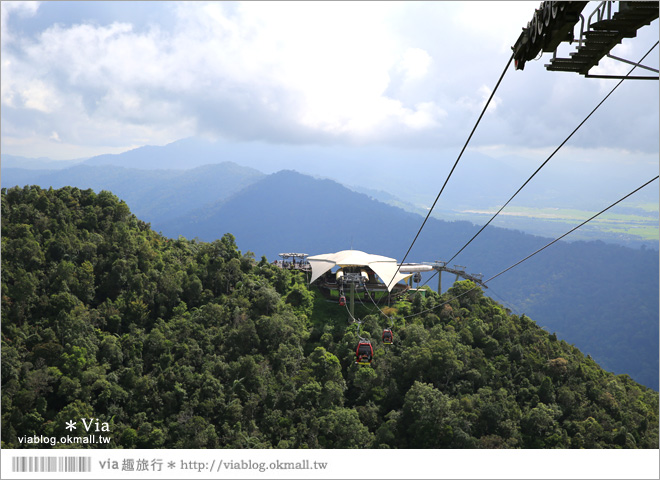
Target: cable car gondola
x,y
364,353
388,337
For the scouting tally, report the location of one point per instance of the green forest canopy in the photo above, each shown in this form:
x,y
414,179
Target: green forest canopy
x,y
186,344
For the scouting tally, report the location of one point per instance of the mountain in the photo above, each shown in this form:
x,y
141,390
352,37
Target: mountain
x,y
565,189
601,297
289,211
179,155
187,344
413,175
157,195
42,163
575,289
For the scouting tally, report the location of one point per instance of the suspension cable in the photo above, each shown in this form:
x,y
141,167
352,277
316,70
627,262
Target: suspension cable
x,y
349,312
542,165
539,250
503,301
366,306
384,314
551,155
452,168
359,322
571,230
430,278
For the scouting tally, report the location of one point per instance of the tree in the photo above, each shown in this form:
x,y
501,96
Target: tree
x,y
425,412
342,428
186,344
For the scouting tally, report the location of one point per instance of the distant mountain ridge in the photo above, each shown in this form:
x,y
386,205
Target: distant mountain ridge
x,y
569,288
373,167
180,155
411,178
188,344
488,179
155,195
42,163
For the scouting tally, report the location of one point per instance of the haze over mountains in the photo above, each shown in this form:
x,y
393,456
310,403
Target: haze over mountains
x,y
586,291
412,175
603,298
155,195
411,180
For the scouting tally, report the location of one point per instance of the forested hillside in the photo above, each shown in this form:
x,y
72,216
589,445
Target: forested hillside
x,y
188,344
602,298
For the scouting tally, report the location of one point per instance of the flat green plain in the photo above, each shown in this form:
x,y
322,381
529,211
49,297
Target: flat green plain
x,y
640,221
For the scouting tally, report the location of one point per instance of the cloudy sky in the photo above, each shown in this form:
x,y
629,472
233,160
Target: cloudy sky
x,y
85,78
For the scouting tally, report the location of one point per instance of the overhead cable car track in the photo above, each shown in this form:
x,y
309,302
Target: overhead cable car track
x,y
350,314
504,302
364,352
490,289
545,162
387,335
540,249
376,305
454,167
552,154
366,306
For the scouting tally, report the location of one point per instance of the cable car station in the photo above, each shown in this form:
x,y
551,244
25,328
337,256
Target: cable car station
x,y
374,277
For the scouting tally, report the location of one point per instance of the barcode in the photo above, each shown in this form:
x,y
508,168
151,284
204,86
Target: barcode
x,y
51,464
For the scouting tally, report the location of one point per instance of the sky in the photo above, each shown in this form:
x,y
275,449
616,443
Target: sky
x,y
85,78
408,78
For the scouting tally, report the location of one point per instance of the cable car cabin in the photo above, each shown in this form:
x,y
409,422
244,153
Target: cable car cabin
x,y
364,353
342,300
388,337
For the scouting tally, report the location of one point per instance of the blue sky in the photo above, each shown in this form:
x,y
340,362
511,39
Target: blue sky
x,y
85,78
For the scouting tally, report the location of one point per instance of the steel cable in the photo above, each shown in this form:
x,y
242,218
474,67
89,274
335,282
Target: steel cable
x,y
454,167
540,249
551,155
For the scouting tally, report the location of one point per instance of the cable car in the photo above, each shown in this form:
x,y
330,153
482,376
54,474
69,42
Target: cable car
x,y
342,300
388,337
364,353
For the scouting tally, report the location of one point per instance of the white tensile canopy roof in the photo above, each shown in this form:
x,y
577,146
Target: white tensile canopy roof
x,y
384,267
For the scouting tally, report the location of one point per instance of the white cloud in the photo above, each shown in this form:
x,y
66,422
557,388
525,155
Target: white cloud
x,y
426,115
8,8
332,70
415,63
351,72
485,93
39,96
484,21
475,101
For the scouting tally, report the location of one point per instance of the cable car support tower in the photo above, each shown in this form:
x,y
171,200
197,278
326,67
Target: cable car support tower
x,y
459,271
554,22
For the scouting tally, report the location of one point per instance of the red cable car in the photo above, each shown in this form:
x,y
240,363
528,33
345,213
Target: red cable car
x,y
364,353
388,337
342,300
